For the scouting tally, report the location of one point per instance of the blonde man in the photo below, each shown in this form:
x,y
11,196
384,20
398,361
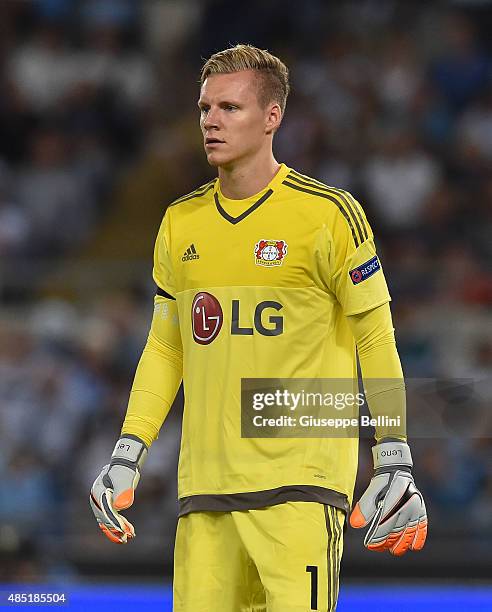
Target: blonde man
x,y
263,273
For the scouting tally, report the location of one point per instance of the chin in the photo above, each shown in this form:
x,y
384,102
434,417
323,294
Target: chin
x,y
212,161
216,160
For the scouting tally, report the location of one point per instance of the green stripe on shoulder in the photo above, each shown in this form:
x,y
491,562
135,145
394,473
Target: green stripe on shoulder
x,y
349,203
202,190
315,191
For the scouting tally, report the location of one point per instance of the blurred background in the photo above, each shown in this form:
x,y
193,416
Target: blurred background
x,y
391,100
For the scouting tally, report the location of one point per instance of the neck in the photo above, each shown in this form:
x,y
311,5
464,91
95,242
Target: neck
x,y
247,178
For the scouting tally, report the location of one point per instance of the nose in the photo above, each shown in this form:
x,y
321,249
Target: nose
x,y
211,120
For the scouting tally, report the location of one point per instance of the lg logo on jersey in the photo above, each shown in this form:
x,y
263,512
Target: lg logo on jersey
x,y
207,318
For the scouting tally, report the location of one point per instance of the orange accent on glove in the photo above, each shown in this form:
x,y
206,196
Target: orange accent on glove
x,y
124,500
356,518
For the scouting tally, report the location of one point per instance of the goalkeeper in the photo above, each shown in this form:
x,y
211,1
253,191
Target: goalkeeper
x,y
263,272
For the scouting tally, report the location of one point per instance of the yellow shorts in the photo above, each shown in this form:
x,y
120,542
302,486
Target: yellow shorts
x,y
283,558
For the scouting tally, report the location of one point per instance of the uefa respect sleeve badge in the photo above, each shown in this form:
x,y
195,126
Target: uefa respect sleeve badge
x,y
364,271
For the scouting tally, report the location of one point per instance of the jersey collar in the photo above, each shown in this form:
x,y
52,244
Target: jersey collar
x,y
247,205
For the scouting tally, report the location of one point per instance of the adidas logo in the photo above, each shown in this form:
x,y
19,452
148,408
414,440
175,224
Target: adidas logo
x,y
190,254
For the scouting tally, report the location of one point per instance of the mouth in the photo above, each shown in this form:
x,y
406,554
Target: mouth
x,y
211,142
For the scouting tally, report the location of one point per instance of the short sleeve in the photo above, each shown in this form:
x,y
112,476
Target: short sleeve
x,y
352,269
163,271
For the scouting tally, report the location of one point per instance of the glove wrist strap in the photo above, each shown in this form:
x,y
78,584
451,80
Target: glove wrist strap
x,y
129,449
389,454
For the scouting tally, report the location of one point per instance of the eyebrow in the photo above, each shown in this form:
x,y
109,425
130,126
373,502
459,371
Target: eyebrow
x,y
201,103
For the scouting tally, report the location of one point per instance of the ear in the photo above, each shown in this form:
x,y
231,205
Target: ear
x,y
273,118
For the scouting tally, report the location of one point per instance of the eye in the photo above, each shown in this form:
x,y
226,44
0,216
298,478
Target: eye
x,y
204,109
231,107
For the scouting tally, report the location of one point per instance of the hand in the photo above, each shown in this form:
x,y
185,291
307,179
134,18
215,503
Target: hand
x,y
114,488
392,504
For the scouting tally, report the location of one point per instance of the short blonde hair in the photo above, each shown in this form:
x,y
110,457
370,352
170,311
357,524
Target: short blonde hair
x,y
273,81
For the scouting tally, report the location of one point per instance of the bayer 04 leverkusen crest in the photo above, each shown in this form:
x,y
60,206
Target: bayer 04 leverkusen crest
x,y
270,252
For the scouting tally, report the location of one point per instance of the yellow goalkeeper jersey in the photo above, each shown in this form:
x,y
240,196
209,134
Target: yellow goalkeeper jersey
x,y
263,287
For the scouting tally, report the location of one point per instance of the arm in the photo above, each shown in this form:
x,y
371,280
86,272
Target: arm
x,y
156,382
392,504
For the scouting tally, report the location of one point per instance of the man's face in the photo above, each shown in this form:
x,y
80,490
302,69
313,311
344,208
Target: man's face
x,y
233,124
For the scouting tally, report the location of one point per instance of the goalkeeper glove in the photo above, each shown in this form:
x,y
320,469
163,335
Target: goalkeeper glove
x,y
113,489
392,504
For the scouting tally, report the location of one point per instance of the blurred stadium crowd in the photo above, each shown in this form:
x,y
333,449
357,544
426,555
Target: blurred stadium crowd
x,y
99,132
